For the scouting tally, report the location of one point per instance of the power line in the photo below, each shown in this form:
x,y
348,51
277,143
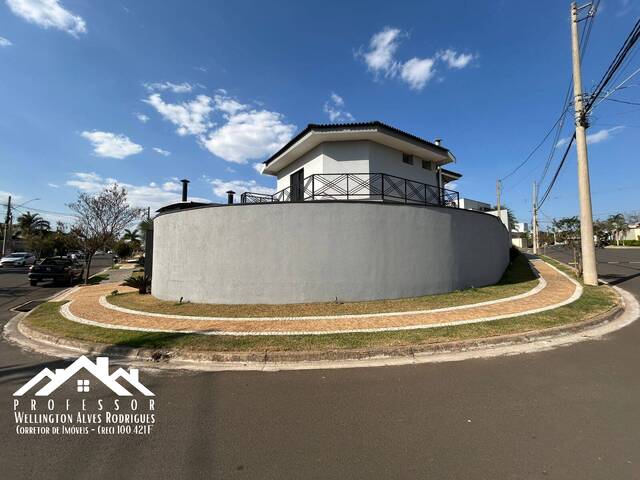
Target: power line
x,y
39,210
559,123
555,176
536,147
618,60
622,101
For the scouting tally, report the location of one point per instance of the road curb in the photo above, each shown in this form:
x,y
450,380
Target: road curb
x,y
18,332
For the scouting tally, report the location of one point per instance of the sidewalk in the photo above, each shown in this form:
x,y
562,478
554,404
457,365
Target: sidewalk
x,y
88,305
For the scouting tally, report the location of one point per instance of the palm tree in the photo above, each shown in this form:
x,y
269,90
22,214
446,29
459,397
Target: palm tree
x,y
618,225
31,224
131,235
133,238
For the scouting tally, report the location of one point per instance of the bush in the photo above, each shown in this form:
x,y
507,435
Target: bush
x,y
123,249
513,253
141,282
631,243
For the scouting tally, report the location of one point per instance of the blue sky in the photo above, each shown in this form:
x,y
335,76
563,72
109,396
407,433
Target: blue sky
x,y
146,93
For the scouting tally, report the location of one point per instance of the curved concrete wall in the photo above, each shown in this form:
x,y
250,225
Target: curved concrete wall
x,y
317,251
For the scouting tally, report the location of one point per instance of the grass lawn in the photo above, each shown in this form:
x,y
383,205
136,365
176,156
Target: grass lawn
x,y
98,278
594,301
517,279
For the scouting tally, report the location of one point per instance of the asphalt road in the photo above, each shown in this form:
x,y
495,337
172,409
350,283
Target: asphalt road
x,y
15,288
569,413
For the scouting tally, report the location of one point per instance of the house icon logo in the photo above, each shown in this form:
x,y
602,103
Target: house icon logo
x,y
99,370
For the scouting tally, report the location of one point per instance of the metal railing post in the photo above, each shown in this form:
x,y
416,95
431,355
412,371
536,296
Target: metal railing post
x,y
347,186
405,190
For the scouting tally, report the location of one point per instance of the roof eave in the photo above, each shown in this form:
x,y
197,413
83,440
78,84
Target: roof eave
x,y
373,132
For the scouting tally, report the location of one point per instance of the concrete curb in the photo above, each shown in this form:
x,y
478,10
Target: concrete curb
x,y
619,316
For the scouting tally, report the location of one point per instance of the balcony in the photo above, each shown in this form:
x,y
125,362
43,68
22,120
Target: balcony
x,y
379,187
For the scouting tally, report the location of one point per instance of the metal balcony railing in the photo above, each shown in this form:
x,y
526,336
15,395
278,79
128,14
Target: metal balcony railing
x,y
359,186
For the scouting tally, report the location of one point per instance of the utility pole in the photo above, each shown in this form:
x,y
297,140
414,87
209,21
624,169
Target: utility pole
x,y
534,227
589,271
7,228
498,188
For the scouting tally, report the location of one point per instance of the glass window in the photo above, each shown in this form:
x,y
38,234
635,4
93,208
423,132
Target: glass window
x,y
408,159
426,164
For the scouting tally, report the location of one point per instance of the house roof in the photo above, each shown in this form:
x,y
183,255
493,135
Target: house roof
x,y
180,206
376,130
450,175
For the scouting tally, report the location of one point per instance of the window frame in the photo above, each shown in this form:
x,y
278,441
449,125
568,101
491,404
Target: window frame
x,y
408,159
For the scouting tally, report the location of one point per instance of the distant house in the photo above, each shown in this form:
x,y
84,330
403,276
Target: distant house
x,y
475,205
633,233
358,161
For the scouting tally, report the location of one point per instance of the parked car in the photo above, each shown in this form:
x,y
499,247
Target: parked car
x,y
18,259
75,255
58,269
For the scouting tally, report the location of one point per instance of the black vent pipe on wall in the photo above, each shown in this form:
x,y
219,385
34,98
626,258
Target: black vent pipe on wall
x,y
185,188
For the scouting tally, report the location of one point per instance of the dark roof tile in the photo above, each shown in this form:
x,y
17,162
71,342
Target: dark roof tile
x,y
350,126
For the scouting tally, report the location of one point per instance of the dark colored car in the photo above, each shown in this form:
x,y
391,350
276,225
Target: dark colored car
x,y
58,269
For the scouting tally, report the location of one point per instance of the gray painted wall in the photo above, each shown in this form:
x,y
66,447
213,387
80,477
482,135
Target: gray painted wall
x,y
316,251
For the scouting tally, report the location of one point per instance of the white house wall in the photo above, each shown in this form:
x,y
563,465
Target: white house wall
x,y
388,160
315,252
356,157
346,157
312,162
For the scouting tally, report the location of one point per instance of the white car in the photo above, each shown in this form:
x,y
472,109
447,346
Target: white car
x,y
18,259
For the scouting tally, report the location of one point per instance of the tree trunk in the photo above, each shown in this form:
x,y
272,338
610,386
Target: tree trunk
x,y
87,274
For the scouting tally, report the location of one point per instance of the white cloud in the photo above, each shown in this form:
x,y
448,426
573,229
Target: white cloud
x,y
5,195
150,195
172,186
5,42
380,58
382,49
417,72
258,167
192,118
228,105
142,117
454,59
53,185
183,87
337,99
111,145
602,135
220,187
48,14
164,153
596,137
248,134
334,109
